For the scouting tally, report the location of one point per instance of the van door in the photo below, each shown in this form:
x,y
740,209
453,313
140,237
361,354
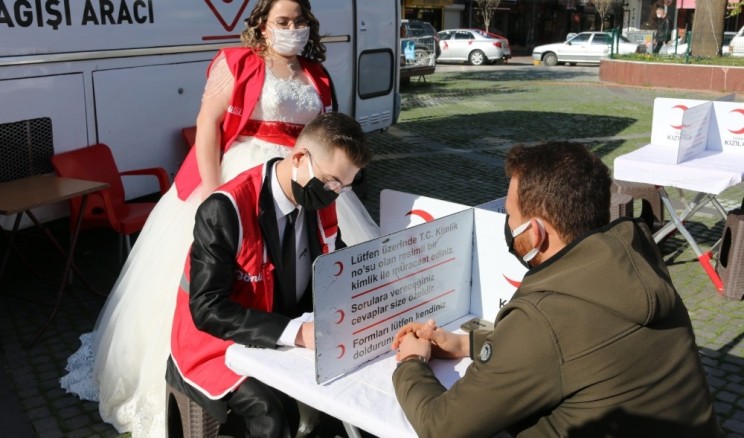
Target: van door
x,y
377,62
361,40
337,32
143,134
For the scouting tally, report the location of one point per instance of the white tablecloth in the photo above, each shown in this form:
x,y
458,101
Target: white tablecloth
x,y
364,397
710,172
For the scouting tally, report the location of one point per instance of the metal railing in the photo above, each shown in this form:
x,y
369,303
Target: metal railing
x,y
615,38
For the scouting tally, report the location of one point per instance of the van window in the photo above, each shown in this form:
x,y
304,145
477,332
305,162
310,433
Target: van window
x,y
375,73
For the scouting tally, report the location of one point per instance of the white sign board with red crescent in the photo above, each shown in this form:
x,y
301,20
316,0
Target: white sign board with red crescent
x,y
365,293
440,260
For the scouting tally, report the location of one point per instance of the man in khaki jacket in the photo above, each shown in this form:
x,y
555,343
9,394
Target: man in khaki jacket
x,y
595,341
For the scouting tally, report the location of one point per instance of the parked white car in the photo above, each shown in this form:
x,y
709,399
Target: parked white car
x,y
474,46
668,49
736,46
585,47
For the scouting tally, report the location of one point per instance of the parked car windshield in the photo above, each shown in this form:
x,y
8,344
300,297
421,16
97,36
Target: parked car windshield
x,y
418,29
727,37
580,38
601,39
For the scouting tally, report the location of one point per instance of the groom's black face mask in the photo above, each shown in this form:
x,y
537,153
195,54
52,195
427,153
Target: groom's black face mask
x,y
314,195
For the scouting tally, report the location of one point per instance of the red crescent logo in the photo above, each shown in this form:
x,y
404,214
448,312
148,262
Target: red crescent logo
x,y
343,351
683,108
227,26
340,316
514,283
738,131
422,214
340,269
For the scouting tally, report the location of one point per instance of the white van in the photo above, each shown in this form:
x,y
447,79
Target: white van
x,y
130,73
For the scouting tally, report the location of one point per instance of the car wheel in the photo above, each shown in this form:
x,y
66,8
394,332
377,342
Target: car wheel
x,y
421,57
550,59
477,57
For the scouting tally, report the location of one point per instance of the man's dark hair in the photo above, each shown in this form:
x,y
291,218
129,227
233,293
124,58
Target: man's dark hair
x,y
337,130
563,183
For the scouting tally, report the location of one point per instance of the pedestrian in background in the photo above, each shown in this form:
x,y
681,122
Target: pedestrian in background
x,y
663,29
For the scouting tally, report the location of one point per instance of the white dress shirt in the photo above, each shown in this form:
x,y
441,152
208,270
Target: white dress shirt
x,y
283,206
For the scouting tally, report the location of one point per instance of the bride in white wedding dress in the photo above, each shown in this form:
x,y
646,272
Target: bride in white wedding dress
x,y
121,364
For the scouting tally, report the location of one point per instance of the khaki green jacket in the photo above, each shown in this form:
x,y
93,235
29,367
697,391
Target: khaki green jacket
x,y
595,342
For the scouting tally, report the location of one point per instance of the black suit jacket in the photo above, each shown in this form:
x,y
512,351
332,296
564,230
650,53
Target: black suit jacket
x,y
284,296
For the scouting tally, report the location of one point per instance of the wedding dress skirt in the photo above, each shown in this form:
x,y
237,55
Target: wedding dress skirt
x,y
121,364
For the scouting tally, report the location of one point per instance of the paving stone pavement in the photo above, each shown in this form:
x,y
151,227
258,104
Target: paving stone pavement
x,y
452,136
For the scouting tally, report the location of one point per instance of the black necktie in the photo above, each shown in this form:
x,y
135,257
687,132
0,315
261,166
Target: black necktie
x,y
289,262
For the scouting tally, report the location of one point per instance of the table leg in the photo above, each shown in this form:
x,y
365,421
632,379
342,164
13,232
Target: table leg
x,y
352,431
722,211
62,251
66,273
16,224
677,223
699,202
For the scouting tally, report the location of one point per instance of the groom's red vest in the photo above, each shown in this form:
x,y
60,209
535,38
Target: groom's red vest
x,y
249,71
199,356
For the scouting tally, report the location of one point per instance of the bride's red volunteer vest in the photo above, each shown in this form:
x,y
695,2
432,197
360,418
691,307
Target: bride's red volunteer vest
x,y
249,71
199,356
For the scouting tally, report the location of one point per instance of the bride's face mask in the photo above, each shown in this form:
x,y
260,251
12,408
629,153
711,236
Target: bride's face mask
x,y
289,42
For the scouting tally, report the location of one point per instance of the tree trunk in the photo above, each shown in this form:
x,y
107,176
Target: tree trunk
x,y
707,29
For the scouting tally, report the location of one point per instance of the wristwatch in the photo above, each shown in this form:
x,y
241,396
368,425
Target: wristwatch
x,y
411,357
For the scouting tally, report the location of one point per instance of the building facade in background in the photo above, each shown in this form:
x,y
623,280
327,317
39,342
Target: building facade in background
x,y
528,23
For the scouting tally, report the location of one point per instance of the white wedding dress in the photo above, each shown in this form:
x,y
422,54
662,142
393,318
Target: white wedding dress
x,y
121,364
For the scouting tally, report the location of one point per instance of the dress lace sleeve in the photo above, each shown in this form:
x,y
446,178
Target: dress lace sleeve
x,y
220,77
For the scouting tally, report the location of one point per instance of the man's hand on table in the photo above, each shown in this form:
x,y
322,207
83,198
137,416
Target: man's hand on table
x,y
306,336
428,340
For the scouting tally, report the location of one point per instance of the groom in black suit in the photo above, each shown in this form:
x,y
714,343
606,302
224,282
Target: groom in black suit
x,y
247,279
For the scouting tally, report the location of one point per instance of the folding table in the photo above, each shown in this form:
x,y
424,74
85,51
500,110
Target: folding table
x,y
363,398
23,195
708,173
